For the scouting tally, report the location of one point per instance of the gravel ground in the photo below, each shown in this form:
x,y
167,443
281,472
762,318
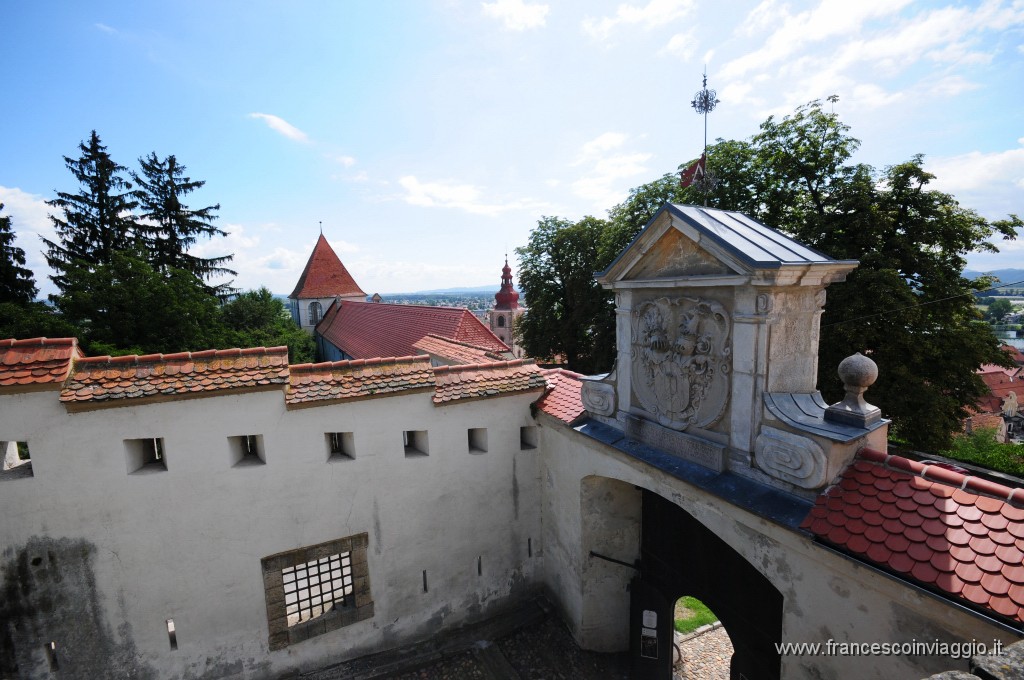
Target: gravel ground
x,y
705,657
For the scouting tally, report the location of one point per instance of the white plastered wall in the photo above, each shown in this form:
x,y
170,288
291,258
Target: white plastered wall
x,y
826,595
186,543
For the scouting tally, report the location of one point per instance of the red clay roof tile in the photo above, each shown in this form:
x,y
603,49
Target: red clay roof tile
x,y
35,363
325,276
953,533
562,400
474,381
318,384
372,329
98,381
458,352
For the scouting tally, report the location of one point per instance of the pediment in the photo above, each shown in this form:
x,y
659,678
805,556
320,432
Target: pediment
x,y
675,255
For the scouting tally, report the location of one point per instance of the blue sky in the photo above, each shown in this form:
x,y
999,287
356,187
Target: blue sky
x,y
429,137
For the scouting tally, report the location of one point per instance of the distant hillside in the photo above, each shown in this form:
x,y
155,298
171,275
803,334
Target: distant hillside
x,y
1005,276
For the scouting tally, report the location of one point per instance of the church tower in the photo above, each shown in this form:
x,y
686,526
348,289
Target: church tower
x,y
506,310
323,280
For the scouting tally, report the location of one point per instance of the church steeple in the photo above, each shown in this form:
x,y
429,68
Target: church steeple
x,y
507,297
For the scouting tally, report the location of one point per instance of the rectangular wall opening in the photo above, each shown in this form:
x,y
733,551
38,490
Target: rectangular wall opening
x,y
17,462
315,587
528,437
51,656
424,580
172,634
247,450
340,446
480,566
145,455
415,442
478,440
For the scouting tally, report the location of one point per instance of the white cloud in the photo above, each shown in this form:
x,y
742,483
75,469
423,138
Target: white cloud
x,y
281,126
445,194
30,222
105,28
976,171
609,165
682,45
345,161
655,13
517,15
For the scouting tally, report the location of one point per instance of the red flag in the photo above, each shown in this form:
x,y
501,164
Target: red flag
x,y
694,173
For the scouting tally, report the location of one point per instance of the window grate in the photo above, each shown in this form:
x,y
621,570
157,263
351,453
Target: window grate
x,y
315,587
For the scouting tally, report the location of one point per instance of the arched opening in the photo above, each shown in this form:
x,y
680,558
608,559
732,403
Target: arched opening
x,y
316,312
641,553
501,322
702,646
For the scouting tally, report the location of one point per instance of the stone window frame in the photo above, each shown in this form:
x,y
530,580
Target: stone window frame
x,y
316,312
360,609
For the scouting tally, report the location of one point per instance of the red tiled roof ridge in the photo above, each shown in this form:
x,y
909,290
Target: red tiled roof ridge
x,y
400,304
42,342
184,356
491,366
459,342
352,363
563,371
935,473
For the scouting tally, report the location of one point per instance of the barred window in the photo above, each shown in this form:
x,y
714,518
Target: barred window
x,y
312,588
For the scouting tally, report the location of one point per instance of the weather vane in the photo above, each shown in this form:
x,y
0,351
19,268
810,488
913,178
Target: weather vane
x,y
697,175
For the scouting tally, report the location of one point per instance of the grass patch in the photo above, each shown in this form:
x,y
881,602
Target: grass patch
x,y
981,448
691,614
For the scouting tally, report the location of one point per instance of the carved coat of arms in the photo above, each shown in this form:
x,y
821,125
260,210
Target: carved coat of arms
x,y
681,359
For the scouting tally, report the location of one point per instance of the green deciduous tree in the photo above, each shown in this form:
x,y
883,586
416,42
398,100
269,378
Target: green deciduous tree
x,y
256,318
167,226
96,221
569,316
907,305
998,308
17,283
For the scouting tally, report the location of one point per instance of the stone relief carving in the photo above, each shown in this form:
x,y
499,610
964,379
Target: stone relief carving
x,y
598,398
764,303
681,357
790,457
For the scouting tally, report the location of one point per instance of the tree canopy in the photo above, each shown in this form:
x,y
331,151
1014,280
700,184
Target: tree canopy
x,y
907,305
17,283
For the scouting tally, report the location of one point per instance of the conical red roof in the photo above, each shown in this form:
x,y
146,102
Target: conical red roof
x,y
325,275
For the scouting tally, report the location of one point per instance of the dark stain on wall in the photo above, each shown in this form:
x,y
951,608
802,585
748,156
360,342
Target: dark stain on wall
x,y
48,596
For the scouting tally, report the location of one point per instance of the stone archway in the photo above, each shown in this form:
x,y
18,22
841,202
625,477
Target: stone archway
x,y
672,554
681,556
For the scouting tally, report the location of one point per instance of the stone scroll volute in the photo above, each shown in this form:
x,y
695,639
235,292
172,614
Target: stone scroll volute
x,y
681,357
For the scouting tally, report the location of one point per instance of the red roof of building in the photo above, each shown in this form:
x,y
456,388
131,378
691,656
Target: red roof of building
x,y
956,534
458,352
35,363
318,384
493,379
113,381
1015,354
364,330
562,400
325,275
1000,381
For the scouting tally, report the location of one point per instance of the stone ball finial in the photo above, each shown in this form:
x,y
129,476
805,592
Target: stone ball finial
x,y
858,373
858,370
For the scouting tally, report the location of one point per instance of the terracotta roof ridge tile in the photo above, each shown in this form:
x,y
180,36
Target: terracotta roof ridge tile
x,y
490,366
938,474
458,342
346,363
40,342
185,356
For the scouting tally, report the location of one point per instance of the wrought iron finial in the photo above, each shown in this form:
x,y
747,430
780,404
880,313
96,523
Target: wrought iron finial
x,y
705,100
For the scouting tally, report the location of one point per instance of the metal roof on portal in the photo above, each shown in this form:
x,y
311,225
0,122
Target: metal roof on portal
x,y
748,240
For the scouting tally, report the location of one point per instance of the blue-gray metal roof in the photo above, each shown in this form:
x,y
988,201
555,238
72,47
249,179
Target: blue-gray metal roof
x,y
750,240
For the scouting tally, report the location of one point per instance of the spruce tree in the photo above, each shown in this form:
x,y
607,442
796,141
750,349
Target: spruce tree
x,y
97,221
167,226
17,284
